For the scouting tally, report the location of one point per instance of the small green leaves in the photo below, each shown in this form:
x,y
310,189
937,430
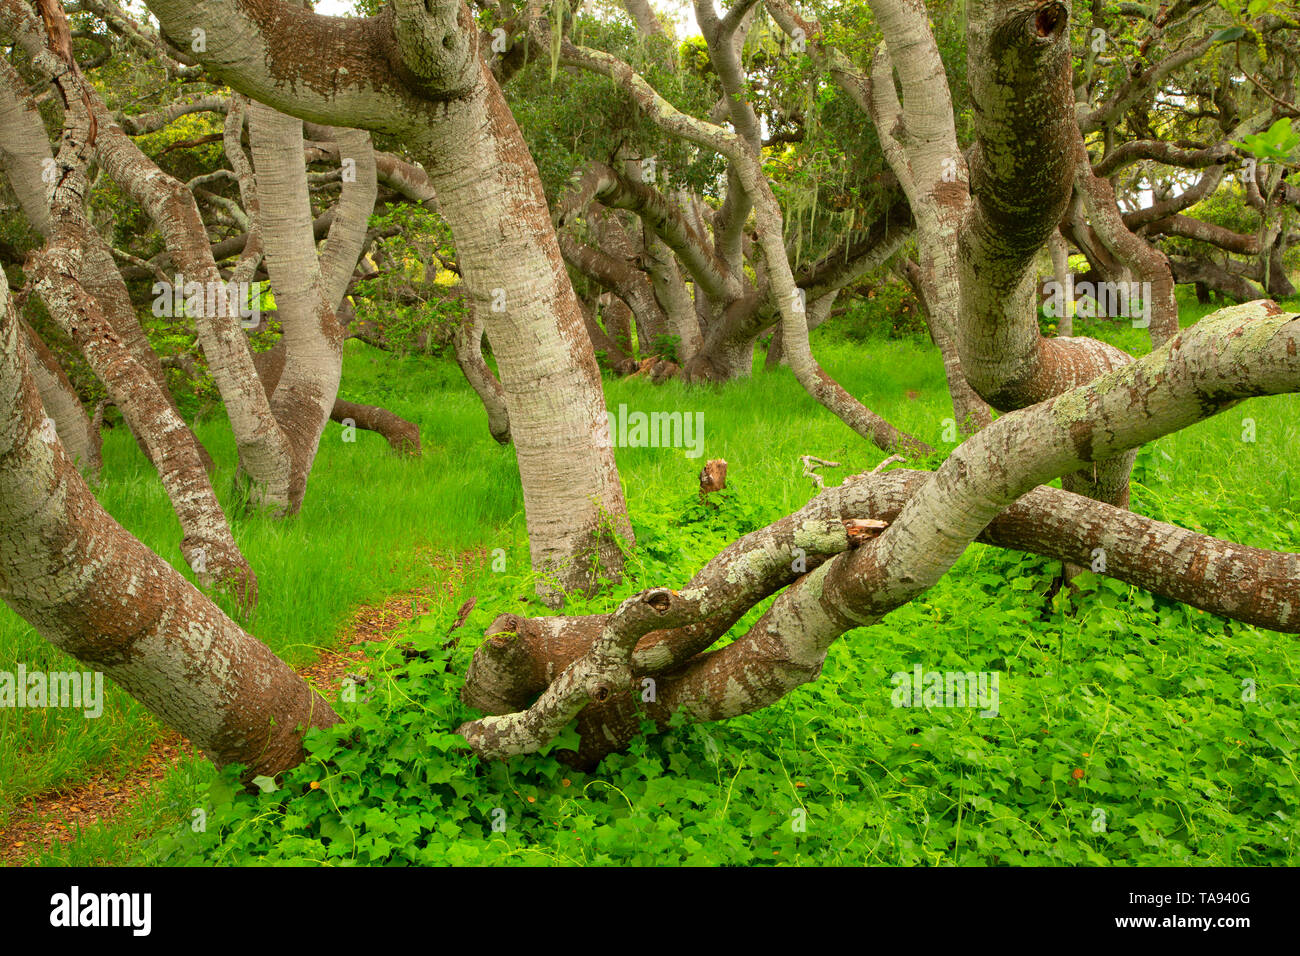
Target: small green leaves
x,y
567,739
1277,144
1227,35
1255,8
1130,729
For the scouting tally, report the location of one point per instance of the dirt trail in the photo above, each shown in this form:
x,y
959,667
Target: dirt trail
x,y
56,816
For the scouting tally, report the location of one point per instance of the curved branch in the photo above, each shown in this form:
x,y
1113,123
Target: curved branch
x,y
1022,175
141,123
1240,352
1145,260
333,70
600,183
468,343
786,294
1207,184
1137,150
1187,227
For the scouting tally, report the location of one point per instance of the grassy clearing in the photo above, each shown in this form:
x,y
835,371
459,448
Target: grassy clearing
x,y
1124,705
373,524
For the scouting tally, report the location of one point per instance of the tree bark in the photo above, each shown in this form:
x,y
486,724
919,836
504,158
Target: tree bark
x,y
26,159
919,140
402,436
468,342
1060,250
80,438
489,191
208,545
663,633
1144,260
416,71
70,276
307,290
95,592
1028,148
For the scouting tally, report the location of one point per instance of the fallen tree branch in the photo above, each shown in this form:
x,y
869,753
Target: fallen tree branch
x,y
929,518
810,465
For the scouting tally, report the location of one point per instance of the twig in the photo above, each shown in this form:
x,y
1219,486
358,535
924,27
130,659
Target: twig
x,y
888,461
810,465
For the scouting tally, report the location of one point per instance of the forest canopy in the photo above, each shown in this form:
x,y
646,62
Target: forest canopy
x,y
750,431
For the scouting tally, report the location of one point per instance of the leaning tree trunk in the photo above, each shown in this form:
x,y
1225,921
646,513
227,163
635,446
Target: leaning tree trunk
x,y
208,545
672,295
313,338
1028,148
1134,253
650,657
26,159
80,438
94,591
82,300
489,191
416,71
467,340
264,452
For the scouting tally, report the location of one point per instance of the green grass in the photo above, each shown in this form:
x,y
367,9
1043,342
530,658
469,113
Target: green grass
x,y
373,524
1141,695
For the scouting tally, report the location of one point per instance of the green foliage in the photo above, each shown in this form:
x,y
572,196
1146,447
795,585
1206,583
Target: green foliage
x,y
1121,737
1226,207
411,304
667,347
360,537
1256,8
1118,708
888,310
1277,143
1141,695
569,118
1122,734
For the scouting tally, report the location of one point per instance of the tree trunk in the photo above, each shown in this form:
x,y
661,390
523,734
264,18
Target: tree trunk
x,y
208,545
673,296
416,71
26,159
468,342
1028,151
91,589
80,439
402,436
595,668
933,174
1142,259
489,191
1060,250
313,339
